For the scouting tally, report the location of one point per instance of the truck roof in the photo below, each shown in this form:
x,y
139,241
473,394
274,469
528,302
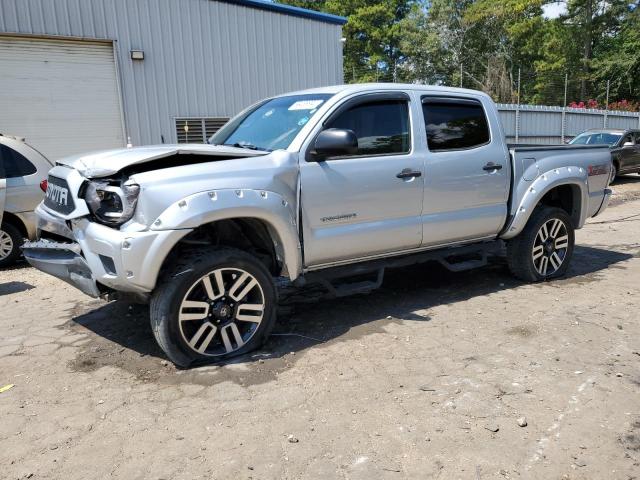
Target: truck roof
x,y
365,87
611,130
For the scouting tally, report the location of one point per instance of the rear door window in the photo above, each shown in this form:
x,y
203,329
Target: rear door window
x,y
15,164
382,126
454,124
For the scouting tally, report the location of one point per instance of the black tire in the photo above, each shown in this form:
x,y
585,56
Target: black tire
x,y
178,282
16,239
614,173
520,249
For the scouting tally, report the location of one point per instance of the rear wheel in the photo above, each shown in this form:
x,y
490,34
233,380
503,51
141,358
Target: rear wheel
x,y
544,248
10,243
213,305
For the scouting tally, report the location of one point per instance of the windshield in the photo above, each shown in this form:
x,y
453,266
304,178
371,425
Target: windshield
x,y
600,138
272,125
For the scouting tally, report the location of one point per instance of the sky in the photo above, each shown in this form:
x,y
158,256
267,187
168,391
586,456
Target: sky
x,y
554,10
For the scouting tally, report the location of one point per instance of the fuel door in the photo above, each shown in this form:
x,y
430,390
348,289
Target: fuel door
x,y
530,169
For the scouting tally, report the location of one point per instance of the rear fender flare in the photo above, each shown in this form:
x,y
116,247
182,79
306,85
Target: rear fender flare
x,y
270,207
546,182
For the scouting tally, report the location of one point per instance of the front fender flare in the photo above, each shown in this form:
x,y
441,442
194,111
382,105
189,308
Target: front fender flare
x,y
576,177
211,206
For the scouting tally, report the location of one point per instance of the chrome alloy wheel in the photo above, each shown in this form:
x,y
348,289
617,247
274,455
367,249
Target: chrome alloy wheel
x,y
550,247
6,244
221,311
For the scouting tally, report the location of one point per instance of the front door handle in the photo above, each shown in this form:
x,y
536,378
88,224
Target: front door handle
x,y
490,167
408,173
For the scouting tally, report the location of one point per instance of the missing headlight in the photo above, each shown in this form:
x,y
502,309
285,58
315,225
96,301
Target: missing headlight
x,y
112,204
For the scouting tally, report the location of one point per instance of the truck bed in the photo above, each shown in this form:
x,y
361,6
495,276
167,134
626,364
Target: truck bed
x,y
525,147
529,162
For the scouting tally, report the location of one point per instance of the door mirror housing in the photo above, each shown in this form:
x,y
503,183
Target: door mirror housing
x,y
335,142
628,144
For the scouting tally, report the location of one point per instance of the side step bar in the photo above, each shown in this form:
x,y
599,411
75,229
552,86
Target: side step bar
x,y
451,264
345,289
351,279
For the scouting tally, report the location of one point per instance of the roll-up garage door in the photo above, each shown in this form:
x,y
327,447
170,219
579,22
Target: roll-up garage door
x,y
61,95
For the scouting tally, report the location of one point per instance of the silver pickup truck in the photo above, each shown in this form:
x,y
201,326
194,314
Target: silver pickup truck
x,y
330,185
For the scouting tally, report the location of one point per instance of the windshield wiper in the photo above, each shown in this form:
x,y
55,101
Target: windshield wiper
x,y
248,146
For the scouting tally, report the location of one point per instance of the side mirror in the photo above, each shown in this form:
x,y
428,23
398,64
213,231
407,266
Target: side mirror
x,y
335,142
628,144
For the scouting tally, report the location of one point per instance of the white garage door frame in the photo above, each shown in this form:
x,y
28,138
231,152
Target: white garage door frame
x,y
103,41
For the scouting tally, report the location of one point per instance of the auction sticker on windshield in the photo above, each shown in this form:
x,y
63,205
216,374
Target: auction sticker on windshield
x,y
305,104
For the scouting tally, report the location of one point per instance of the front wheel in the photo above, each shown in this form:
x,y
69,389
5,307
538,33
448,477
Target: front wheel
x,y
212,305
544,248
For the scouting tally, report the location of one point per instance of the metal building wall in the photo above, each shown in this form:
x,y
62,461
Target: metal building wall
x,y
202,57
544,125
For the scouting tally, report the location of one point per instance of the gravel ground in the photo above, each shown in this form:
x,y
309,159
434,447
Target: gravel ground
x,y
436,375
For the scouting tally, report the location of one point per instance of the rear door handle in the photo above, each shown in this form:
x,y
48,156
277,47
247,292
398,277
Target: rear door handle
x,y
408,173
489,167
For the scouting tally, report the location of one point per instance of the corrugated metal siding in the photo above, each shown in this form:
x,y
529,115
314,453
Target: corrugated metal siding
x,y
543,125
508,119
203,58
579,122
622,122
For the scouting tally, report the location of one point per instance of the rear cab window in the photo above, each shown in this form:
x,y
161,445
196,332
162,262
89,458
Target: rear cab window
x,y
15,164
454,123
381,126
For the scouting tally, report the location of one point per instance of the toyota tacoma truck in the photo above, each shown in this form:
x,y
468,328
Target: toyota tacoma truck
x,y
330,186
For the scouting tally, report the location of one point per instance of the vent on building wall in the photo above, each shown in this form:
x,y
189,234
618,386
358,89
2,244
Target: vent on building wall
x,y
198,130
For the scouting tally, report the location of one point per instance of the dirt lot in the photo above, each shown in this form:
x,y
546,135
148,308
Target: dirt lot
x,y
425,378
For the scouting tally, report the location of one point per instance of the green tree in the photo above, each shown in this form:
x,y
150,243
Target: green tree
x,y
373,34
617,59
588,23
484,44
573,44
425,57
467,48
522,31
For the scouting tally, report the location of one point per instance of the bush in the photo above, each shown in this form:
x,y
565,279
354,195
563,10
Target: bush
x,y
621,105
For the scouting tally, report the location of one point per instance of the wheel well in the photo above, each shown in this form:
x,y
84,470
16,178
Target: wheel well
x,y
248,234
14,220
566,197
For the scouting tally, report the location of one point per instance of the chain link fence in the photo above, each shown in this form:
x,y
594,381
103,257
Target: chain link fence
x,y
539,108
511,86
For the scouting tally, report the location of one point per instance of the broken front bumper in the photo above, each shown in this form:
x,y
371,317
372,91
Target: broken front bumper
x,y
99,259
62,260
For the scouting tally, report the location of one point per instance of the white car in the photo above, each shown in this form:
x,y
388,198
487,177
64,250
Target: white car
x,y
24,170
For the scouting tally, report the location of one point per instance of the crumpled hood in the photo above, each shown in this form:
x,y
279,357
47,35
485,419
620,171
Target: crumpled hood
x,y
108,162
